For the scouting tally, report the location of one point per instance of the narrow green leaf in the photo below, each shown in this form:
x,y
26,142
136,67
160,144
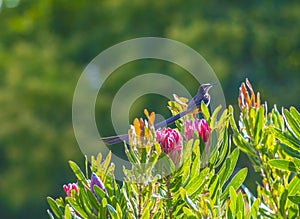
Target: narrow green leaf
x,y
236,182
214,187
294,186
230,163
113,213
290,151
255,208
67,212
50,214
295,199
229,214
196,161
239,215
295,114
197,183
233,197
223,171
259,121
77,208
282,202
225,147
214,116
189,213
240,203
54,207
286,139
99,192
107,160
205,111
92,198
119,210
279,118
185,197
291,124
242,144
283,165
80,176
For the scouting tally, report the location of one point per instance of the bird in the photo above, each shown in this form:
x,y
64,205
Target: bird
x,y
193,105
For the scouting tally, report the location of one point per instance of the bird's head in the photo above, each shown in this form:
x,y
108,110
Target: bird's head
x,y
204,88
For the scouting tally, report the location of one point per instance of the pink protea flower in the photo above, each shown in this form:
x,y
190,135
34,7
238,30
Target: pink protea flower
x,y
171,143
199,125
68,188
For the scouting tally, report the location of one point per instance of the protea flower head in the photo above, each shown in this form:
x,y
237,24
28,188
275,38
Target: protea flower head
x,y
170,142
245,100
68,188
199,125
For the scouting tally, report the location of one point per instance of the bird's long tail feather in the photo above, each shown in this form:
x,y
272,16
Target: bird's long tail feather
x,y
124,137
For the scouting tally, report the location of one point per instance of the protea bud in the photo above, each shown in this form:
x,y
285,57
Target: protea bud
x,y
199,125
171,143
68,188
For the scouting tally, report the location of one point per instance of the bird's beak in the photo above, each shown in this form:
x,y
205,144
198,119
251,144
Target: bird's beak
x,y
208,87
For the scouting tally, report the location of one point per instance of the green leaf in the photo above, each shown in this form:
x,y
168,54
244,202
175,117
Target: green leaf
x,y
295,114
99,192
290,151
106,162
92,198
243,145
67,212
119,210
214,187
77,208
196,161
283,165
294,185
196,185
205,111
236,182
291,124
185,197
225,147
286,139
54,207
295,199
259,121
227,169
113,213
279,118
214,116
233,197
80,176
223,171
189,213
240,203
255,208
282,202
50,214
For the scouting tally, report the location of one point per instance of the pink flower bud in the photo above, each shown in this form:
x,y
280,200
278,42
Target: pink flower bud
x,y
68,188
171,143
199,125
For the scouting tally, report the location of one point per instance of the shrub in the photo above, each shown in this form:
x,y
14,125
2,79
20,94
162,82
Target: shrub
x,y
189,172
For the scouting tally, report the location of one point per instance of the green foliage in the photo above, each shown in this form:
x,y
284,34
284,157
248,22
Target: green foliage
x,y
46,44
271,141
191,191
206,183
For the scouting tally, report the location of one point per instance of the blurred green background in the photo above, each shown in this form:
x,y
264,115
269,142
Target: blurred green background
x,y
45,45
